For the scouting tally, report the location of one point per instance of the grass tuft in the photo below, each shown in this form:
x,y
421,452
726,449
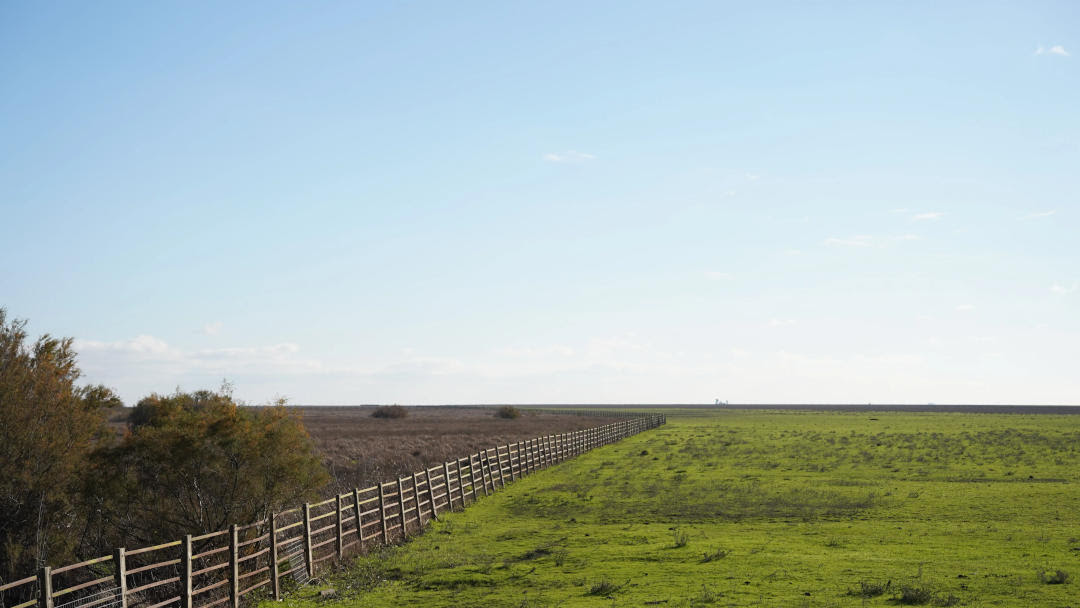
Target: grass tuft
x,y
1058,577
720,553
868,589
604,586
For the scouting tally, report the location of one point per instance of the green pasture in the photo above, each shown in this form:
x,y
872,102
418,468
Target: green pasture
x,y
757,508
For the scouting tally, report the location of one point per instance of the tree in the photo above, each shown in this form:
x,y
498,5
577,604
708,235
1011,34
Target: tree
x,y
47,430
99,396
196,462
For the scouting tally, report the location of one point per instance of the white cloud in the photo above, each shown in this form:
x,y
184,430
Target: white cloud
x,y
1062,289
781,322
713,275
933,215
212,329
965,307
864,240
900,210
753,176
145,364
1036,215
1056,49
570,156
861,240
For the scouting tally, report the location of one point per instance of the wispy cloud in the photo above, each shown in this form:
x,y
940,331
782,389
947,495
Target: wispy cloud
x,y
781,322
1056,49
932,215
212,329
862,240
965,307
1063,289
1036,215
713,275
865,240
570,156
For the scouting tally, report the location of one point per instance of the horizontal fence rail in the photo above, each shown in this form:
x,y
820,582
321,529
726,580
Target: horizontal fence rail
x,y
224,567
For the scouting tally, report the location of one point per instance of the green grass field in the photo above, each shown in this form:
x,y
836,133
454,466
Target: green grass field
x,y
740,508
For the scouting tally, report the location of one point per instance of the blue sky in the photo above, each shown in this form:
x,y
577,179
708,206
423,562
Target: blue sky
x,y
549,202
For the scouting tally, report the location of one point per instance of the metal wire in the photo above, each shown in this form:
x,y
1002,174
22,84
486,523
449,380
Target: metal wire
x,y
297,562
106,598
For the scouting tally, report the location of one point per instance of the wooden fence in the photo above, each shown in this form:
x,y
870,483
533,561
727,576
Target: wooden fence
x,y
287,548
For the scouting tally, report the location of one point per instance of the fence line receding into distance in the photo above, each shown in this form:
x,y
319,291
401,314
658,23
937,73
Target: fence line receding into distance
x,y
223,567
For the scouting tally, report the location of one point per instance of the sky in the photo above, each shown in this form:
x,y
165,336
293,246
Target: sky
x,y
557,202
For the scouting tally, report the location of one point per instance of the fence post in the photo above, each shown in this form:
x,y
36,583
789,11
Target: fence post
x,y
308,554
485,472
234,565
416,501
45,598
461,482
510,461
340,549
359,519
401,507
498,458
382,514
431,494
121,576
185,572
446,476
275,585
472,473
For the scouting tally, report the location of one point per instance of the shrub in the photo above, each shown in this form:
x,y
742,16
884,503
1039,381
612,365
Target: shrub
x,y
390,411
507,411
197,462
680,537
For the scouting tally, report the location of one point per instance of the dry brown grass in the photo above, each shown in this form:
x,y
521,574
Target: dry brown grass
x,y
361,450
